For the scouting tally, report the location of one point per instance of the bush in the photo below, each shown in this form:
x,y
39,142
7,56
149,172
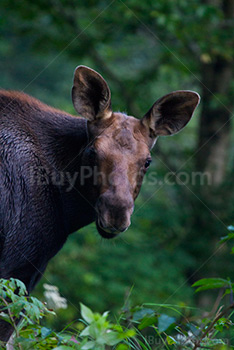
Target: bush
x,y
147,327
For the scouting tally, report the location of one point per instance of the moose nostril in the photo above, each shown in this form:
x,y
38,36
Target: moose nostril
x,y
114,212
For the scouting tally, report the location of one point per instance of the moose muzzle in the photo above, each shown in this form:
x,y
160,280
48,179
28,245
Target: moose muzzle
x,y
113,214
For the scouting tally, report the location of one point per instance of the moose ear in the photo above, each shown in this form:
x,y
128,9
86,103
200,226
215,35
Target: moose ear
x,y
171,113
90,94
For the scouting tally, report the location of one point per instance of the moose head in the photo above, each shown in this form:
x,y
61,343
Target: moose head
x,y
119,145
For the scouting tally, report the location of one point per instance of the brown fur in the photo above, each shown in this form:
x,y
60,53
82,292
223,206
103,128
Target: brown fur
x,y
40,142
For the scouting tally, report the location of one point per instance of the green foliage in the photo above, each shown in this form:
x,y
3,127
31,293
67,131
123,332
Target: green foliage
x,y
97,331
212,283
101,331
139,327
15,291
144,49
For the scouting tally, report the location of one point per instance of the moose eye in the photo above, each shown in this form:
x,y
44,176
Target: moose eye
x,y
147,163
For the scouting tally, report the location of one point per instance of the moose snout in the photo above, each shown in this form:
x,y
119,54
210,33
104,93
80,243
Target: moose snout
x,y
114,213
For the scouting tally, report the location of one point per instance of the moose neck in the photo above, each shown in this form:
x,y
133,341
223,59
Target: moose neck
x,y
64,146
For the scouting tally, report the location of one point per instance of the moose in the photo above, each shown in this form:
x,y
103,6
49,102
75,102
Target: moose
x,y
38,142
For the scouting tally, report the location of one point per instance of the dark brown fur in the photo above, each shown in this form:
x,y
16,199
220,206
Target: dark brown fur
x,y
38,142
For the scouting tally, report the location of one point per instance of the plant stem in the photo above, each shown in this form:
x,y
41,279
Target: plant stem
x,y
209,328
12,319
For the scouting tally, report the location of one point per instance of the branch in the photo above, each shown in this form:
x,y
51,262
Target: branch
x,y
218,316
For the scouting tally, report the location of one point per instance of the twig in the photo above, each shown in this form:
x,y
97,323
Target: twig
x,y
217,302
218,316
14,325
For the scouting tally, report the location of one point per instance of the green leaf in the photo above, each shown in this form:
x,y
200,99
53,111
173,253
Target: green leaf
x,y
21,286
45,332
88,345
112,338
140,314
86,313
164,322
105,314
122,347
171,340
226,238
147,321
128,333
94,331
5,317
210,283
204,281
85,332
33,311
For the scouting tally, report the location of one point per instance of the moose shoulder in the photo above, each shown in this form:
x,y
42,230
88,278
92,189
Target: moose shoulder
x,y
60,172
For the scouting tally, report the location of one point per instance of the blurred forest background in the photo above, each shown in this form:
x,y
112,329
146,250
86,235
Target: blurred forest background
x,y
144,49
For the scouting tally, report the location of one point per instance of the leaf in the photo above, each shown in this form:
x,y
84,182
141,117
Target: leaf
x,y
147,321
21,286
85,332
122,347
143,346
86,313
94,331
33,311
210,283
164,322
37,302
5,317
111,338
229,290
171,340
88,345
15,284
45,332
117,327
128,333
226,238
105,314
140,314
